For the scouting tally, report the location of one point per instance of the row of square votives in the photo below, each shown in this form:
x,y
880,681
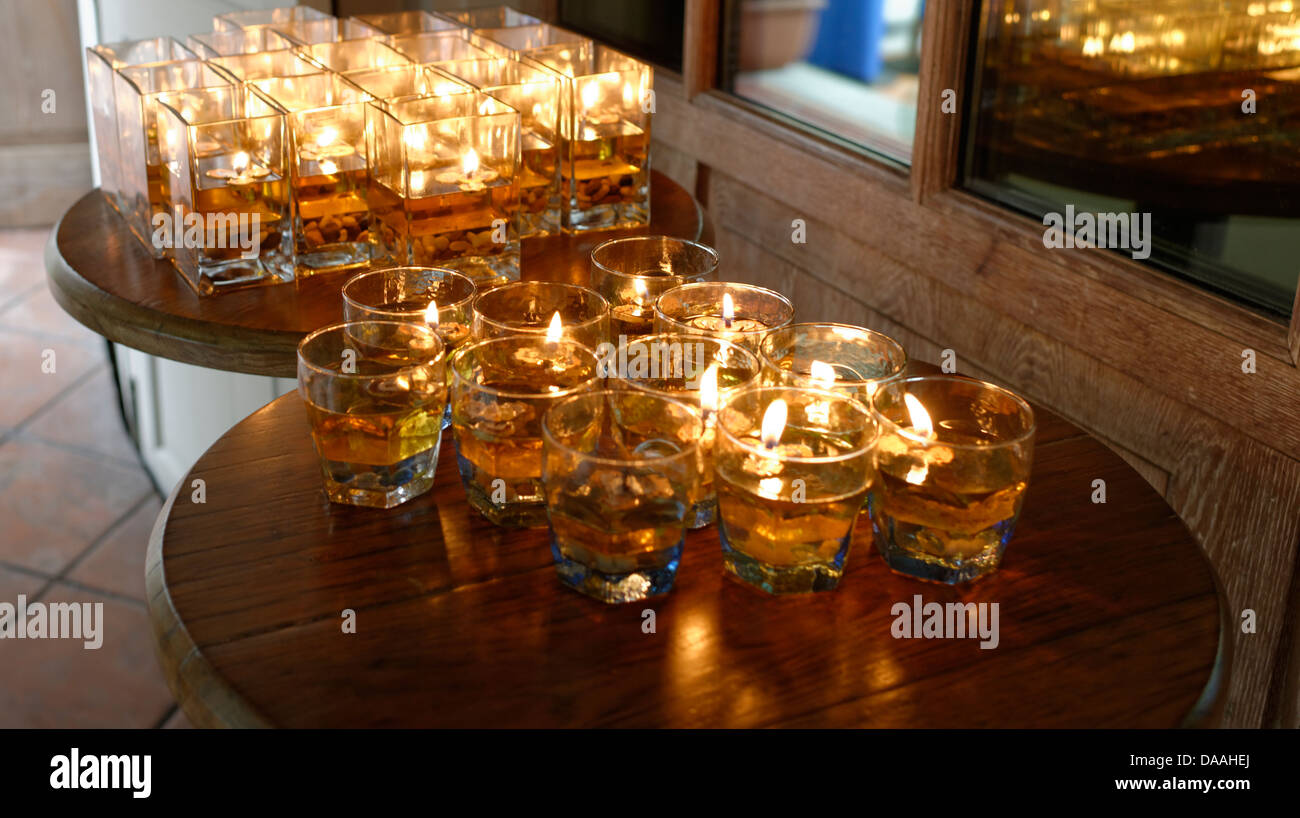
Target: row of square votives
x,y
287,143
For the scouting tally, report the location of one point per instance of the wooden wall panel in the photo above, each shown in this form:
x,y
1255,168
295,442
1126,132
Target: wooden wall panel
x,y
1240,498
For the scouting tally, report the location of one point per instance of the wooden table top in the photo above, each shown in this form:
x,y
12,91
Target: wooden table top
x,y
1109,614
101,275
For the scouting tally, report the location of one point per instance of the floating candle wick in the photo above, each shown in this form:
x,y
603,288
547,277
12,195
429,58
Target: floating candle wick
x,y
431,314
774,423
556,329
728,311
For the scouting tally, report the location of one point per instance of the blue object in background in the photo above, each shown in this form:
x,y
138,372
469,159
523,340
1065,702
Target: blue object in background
x,y
848,40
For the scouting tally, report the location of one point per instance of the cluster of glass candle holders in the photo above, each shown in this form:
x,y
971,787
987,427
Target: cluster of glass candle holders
x,y
287,143
621,435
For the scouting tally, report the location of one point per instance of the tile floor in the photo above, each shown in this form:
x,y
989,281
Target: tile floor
x,y
76,508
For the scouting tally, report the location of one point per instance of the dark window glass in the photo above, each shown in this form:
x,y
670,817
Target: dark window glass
x,y
648,29
1187,110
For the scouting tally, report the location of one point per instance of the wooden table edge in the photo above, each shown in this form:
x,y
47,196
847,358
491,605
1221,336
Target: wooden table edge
x,y
158,333
206,699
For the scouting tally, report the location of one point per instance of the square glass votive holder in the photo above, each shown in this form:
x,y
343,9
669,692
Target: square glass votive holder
x,y
501,389
287,62
535,93
375,392
233,42
741,313
792,470
395,83
313,32
605,113
354,55
102,61
326,120
143,181
409,22
443,299
492,17
438,46
955,455
678,367
265,18
223,152
633,272
542,309
621,469
443,185
854,361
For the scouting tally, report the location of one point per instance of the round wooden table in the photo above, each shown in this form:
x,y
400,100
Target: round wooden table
x,y
102,276
1109,614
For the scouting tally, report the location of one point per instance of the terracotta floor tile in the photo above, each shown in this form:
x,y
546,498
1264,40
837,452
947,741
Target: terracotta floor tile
x,y
117,563
13,583
178,721
37,313
86,417
58,683
26,386
54,503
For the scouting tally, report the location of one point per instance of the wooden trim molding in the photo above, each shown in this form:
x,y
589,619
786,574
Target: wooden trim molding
x,y
936,147
1293,337
700,46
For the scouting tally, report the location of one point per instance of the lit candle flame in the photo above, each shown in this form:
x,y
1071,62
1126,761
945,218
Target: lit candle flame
x,y
823,373
589,96
239,163
728,310
469,164
415,139
709,391
922,426
431,314
556,329
639,288
774,423
327,136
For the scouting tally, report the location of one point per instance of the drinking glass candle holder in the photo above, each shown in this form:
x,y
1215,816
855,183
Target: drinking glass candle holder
x,y
223,152
354,55
266,18
375,392
314,32
604,135
741,313
620,471
792,469
327,169
286,62
954,459
678,367
443,184
438,47
143,186
534,92
633,272
501,389
492,17
211,44
401,82
409,22
542,308
440,298
853,361
101,63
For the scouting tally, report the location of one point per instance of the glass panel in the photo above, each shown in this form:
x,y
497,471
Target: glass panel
x,y
848,68
1178,114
